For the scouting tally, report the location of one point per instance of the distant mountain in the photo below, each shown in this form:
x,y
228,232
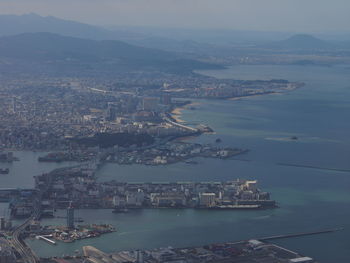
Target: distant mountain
x,y
301,42
179,40
53,48
48,46
33,23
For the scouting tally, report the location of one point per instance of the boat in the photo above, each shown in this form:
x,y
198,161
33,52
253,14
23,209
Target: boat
x,y
294,138
120,210
204,128
191,162
218,140
4,171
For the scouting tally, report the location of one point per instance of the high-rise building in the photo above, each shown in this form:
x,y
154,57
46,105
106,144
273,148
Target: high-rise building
x,y
111,113
2,223
13,106
139,257
70,217
150,104
165,99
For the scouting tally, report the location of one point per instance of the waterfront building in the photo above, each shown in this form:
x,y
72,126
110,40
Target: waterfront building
x,y
169,200
119,201
247,195
135,198
207,199
70,217
251,185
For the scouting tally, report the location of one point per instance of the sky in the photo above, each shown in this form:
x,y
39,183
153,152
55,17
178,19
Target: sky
x,y
265,15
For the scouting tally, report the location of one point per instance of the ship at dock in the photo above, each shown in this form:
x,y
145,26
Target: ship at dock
x,y
4,171
7,157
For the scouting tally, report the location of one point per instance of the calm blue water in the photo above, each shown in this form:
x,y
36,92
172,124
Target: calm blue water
x,y
310,199
22,171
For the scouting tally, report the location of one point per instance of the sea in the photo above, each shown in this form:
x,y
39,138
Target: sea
x,y
309,176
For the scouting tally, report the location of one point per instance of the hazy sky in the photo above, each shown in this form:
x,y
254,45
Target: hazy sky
x,y
280,15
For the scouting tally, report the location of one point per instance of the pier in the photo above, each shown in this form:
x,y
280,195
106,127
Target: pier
x,y
46,239
315,167
301,234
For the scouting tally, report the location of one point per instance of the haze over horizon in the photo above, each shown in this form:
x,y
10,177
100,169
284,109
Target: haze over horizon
x,y
268,15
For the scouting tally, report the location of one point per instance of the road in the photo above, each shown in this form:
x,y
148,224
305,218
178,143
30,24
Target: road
x,y
188,128
26,254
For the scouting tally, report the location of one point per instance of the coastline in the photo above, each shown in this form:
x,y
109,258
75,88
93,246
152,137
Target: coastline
x,y
263,94
176,113
255,95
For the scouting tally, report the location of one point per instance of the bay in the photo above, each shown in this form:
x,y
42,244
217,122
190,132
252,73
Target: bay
x,y
309,199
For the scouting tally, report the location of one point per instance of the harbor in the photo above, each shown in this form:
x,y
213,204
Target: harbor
x,y
302,193
253,250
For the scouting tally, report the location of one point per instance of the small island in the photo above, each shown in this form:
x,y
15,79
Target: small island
x,y
68,234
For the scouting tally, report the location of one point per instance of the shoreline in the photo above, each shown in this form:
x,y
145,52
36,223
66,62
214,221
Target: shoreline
x,y
176,113
253,96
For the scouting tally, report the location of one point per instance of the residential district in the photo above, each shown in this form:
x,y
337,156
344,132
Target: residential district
x,y
117,119
43,113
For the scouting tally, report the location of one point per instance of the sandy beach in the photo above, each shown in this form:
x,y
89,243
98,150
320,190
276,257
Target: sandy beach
x,y
177,112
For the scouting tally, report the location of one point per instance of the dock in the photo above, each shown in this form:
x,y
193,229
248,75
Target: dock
x,y
46,239
300,234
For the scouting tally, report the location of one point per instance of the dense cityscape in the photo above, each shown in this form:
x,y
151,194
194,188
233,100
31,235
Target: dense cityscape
x,y
170,132
42,114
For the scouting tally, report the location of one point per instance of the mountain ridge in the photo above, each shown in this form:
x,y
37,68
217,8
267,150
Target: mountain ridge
x,y
46,47
301,42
